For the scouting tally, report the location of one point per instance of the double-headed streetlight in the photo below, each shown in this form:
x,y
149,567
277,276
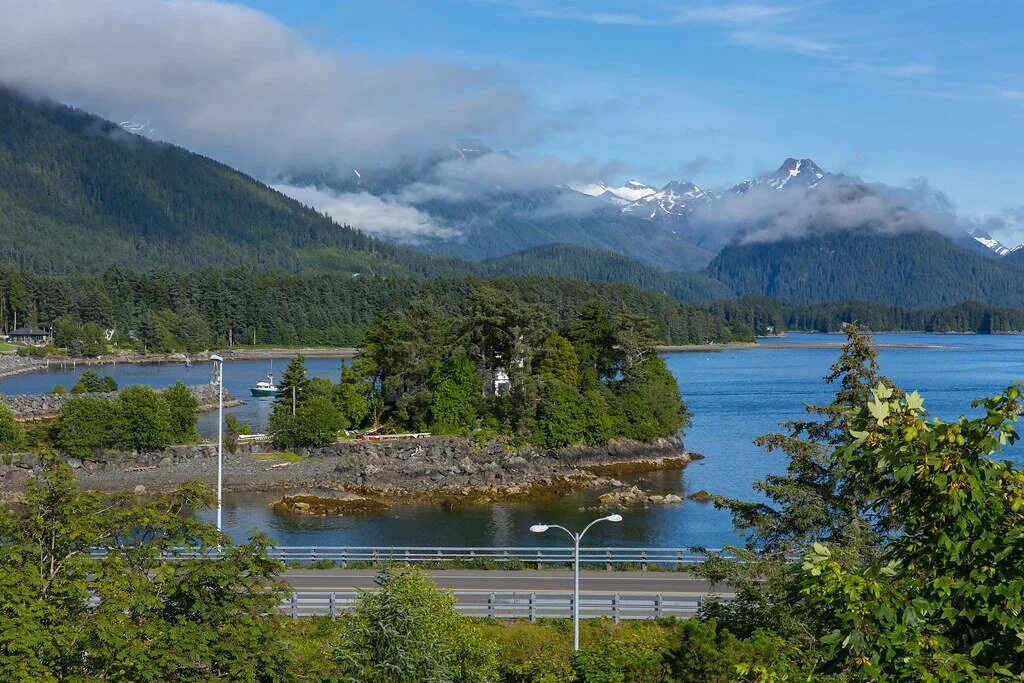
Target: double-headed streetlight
x,y
220,434
576,538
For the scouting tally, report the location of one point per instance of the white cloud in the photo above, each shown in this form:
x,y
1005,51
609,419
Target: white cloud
x,y
238,85
769,40
379,217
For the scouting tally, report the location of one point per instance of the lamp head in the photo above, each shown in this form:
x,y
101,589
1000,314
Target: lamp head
x,y
614,518
216,359
539,528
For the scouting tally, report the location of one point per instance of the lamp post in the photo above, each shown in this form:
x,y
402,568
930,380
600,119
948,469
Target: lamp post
x,y
576,538
220,435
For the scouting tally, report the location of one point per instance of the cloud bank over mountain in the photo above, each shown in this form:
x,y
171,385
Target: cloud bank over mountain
x,y
238,85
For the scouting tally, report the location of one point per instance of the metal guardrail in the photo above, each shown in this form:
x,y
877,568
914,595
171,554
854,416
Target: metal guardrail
x,y
522,605
608,558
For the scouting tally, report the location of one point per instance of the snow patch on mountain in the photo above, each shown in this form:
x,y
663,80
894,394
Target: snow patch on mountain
x,y
630,191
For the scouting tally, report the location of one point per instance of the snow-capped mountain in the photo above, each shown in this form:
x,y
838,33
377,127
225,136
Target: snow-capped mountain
x,y
985,239
629,192
677,199
793,173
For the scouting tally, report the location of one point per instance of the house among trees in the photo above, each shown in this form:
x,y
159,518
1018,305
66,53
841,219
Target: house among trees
x,y
29,335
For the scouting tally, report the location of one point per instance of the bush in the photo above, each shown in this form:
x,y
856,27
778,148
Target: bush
x,y
408,631
59,390
623,655
143,419
183,412
316,423
12,435
92,383
85,425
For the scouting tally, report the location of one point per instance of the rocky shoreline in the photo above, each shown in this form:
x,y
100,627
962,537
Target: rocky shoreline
x,y
34,407
450,472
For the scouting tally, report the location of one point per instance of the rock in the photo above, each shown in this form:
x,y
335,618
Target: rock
x,y
74,463
672,499
165,462
701,496
139,490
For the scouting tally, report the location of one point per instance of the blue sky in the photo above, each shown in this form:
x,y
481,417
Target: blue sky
x,y
713,92
718,91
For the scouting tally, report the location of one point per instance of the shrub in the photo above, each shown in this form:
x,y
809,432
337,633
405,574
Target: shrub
x,y
143,419
183,413
92,383
85,425
408,631
12,435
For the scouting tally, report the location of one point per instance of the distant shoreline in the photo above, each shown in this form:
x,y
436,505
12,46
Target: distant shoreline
x,y
28,365
741,346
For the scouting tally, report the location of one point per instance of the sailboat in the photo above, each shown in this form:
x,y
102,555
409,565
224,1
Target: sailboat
x,y
267,388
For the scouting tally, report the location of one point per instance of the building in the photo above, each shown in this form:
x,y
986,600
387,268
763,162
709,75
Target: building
x,y
29,335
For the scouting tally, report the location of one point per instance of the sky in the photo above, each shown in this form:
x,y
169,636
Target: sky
x,y
713,92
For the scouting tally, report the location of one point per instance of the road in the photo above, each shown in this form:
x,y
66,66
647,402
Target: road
x,y
523,594
593,582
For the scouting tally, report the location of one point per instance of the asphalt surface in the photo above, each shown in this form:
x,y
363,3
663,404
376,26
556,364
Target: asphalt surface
x,y
591,582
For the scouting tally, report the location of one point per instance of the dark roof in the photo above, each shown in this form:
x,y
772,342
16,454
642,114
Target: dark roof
x,y
29,332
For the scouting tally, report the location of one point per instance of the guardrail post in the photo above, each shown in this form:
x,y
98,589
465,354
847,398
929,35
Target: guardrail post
x,y
643,560
679,560
312,554
331,606
344,558
657,606
533,607
375,557
540,559
295,605
615,608
407,556
490,605
506,557
608,560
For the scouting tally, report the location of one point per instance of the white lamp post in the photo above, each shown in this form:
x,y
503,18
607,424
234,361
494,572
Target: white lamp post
x,y
576,538
220,434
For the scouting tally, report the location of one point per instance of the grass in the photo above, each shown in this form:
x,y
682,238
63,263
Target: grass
x,y
7,348
282,456
483,563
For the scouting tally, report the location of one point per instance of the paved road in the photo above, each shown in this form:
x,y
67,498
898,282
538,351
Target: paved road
x,y
593,582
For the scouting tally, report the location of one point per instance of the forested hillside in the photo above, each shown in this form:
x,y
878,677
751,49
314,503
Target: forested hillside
x,y
588,263
197,310
78,194
905,269
1016,256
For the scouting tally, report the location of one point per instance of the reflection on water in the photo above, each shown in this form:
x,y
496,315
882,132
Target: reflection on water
x,y
734,396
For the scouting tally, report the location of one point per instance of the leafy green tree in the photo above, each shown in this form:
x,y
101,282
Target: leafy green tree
x,y
593,337
183,413
407,631
649,405
316,423
132,615
454,396
59,390
558,420
558,361
85,425
143,419
944,599
12,435
595,417
352,404
92,383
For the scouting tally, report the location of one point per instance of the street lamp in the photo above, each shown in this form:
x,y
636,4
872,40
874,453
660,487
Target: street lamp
x,y
220,434
576,538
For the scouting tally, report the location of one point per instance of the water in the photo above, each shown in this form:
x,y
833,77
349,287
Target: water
x,y
734,396
239,375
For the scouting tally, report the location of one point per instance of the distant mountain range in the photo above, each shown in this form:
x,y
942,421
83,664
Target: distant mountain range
x,y
79,194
